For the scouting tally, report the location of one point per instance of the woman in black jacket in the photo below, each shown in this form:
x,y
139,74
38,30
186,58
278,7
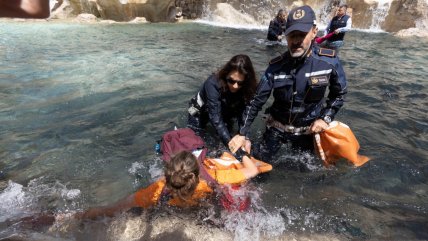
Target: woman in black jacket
x,y
223,97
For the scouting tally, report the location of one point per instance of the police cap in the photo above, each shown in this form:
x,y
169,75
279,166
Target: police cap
x,y
301,18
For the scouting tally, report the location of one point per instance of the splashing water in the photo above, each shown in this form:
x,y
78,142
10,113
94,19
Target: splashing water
x,y
38,196
257,223
379,14
13,201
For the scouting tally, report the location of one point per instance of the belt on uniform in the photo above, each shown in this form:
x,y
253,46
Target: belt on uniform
x,y
271,122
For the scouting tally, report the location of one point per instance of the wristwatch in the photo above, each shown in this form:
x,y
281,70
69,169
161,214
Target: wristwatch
x,y
240,154
327,119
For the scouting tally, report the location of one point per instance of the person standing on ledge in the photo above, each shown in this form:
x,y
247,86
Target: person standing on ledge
x,y
299,79
277,26
339,25
24,9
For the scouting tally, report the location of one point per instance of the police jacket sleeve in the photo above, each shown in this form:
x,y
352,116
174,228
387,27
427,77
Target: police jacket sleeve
x,y
337,91
263,92
214,109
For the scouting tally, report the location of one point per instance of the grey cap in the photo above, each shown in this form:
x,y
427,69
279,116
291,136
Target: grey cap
x,y
301,19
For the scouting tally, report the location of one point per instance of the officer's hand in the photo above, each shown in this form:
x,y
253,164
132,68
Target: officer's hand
x,y
336,31
237,142
318,126
279,37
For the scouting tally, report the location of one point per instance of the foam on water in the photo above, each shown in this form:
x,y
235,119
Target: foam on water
x,y
13,201
228,25
257,222
96,141
254,225
38,196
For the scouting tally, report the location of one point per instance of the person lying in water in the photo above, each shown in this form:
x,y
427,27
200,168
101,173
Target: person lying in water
x,y
182,184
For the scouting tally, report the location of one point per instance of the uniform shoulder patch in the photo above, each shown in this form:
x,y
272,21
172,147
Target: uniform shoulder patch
x,y
275,60
327,52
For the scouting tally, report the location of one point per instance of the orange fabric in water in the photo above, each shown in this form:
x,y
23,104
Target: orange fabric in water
x,y
226,170
338,141
149,196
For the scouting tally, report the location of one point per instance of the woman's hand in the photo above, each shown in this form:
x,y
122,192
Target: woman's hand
x,y
237,142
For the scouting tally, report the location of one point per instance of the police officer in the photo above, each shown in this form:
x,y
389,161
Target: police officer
x,y
340,24
299,79
277,26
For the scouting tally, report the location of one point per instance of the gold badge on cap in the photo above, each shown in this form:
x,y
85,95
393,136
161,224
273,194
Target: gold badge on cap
x,y
298,14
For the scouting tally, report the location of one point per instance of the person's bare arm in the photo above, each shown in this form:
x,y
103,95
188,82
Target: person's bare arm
x,y
109,211
24,8
250,169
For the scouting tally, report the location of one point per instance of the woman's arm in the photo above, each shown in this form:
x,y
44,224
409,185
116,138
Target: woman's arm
x,y
213,94
109,211
250,169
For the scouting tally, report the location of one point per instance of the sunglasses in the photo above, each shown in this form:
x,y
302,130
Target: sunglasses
x,y
232,82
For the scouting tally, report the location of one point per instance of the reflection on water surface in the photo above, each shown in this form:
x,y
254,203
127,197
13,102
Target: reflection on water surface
x,y
82,106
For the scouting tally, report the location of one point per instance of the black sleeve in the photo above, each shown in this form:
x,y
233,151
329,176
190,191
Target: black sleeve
x,y
337,90
212,89
272,31
263,92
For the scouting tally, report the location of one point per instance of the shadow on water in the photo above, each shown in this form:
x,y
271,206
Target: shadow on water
x,y
79,119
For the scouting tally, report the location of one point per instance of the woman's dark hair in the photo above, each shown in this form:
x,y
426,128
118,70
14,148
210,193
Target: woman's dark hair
x,y
182,174
280,12
241,63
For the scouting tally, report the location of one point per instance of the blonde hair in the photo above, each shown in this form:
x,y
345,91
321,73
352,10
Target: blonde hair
x,y
182,174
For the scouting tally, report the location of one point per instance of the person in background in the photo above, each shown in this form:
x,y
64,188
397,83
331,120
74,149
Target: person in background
x,y
277,26
339,25
24,9
299,80
223,97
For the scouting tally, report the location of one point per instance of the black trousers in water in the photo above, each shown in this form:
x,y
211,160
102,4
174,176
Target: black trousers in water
x,y
274,138
199,122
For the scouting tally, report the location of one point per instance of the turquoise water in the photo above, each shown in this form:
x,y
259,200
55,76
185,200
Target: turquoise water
x,y
82,105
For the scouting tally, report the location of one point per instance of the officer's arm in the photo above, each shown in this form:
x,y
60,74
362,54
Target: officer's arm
x,y
263,92
338,90
214,110
108,211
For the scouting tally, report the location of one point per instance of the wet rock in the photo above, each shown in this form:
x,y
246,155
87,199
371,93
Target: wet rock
x,y
86,18
138,20
402,15
412,32
362,13
410,19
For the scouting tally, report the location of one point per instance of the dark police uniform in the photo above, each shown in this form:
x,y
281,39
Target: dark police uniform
x,y
337,22
299,86
220,109
276,28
